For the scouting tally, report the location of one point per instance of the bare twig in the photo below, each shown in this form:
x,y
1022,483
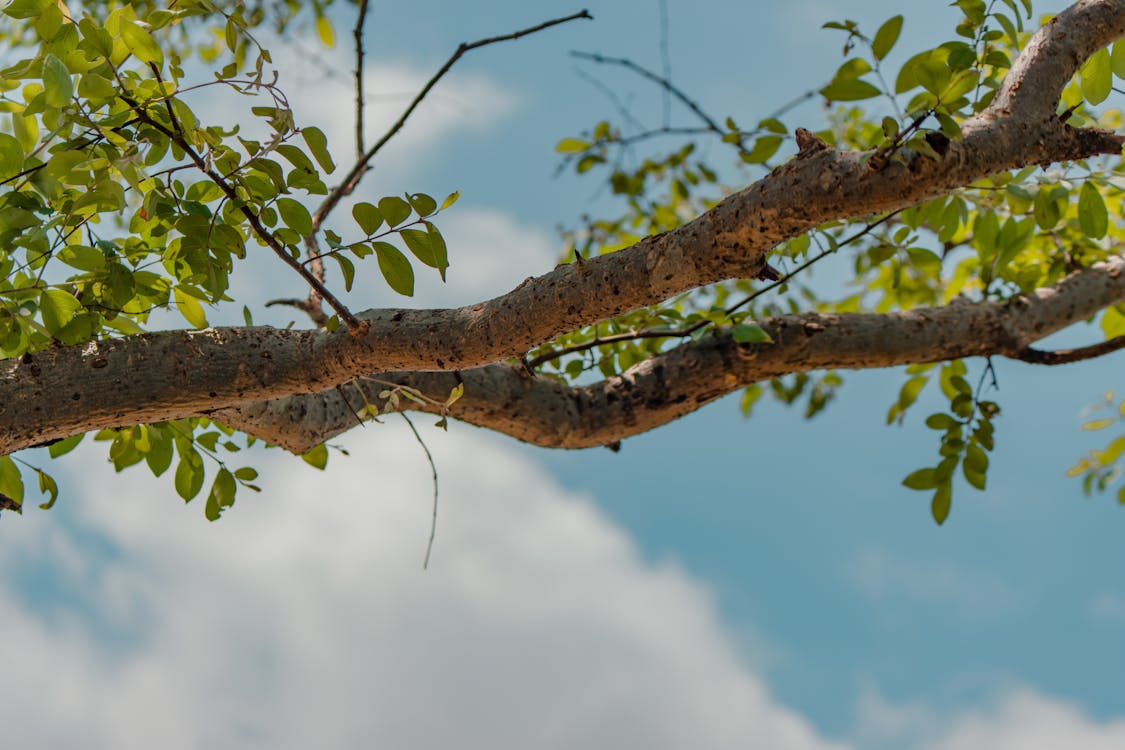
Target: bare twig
x,y
362,165
1066,356
659,80
433,471
359,78
307,306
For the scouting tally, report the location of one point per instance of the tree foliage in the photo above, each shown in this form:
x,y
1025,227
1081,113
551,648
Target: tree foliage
x,y
973,195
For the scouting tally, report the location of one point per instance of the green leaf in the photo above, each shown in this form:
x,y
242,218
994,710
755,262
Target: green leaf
x,y
57,83
750,333
64,446
246,474
943,499
222,494
571,146
886,37
318,145
317,457
50,487
368,217
764,148
449,200
922,479
395,268
422,204
395,210
295,216
189,475
141,43
347,269
57,308
428,246
1093,217
190,308
1117,59
11,483
325,32
849,90
1096,77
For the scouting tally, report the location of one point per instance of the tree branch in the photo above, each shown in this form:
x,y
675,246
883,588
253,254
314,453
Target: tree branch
x,y
1066,356
61,391
549,413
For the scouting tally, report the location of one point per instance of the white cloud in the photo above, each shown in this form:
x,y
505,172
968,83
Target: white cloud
x,y
1019,718
303,617
490,253
1025,720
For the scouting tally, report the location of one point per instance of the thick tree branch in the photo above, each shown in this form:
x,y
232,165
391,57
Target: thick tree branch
x,y
546,412
65,390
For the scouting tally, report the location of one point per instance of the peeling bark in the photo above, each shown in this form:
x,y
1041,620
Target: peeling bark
x,y
282,385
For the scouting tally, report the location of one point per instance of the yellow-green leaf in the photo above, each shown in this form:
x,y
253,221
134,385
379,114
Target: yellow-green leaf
x,y
886,37
325,32
190,308
1096,78
1093,217
57,84
141,43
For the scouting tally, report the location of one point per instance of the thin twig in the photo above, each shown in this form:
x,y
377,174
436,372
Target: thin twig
x,y
659,80
359,78
1066,356
433,470
361,166
665,60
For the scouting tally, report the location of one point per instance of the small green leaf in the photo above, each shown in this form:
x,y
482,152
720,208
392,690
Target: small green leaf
x,y
190,308
750,333
246,474
943,499
1096,77
141,43
347,269
395,210
395,268
57,308
450,200
922,479
189,475
295,216
11,483
317,457
422,204
222,494
849,90
325,32
1093,217
886,37
48,486
428,246
318,145
1117,59
571,146
57,84
64,446
368,217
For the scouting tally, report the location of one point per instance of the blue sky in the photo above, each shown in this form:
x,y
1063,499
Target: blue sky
x,y
723,582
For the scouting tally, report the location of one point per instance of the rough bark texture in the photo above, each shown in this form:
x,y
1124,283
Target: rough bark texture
x,y
285,385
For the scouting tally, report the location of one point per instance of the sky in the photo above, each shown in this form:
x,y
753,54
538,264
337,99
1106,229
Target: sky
x,y
719,583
